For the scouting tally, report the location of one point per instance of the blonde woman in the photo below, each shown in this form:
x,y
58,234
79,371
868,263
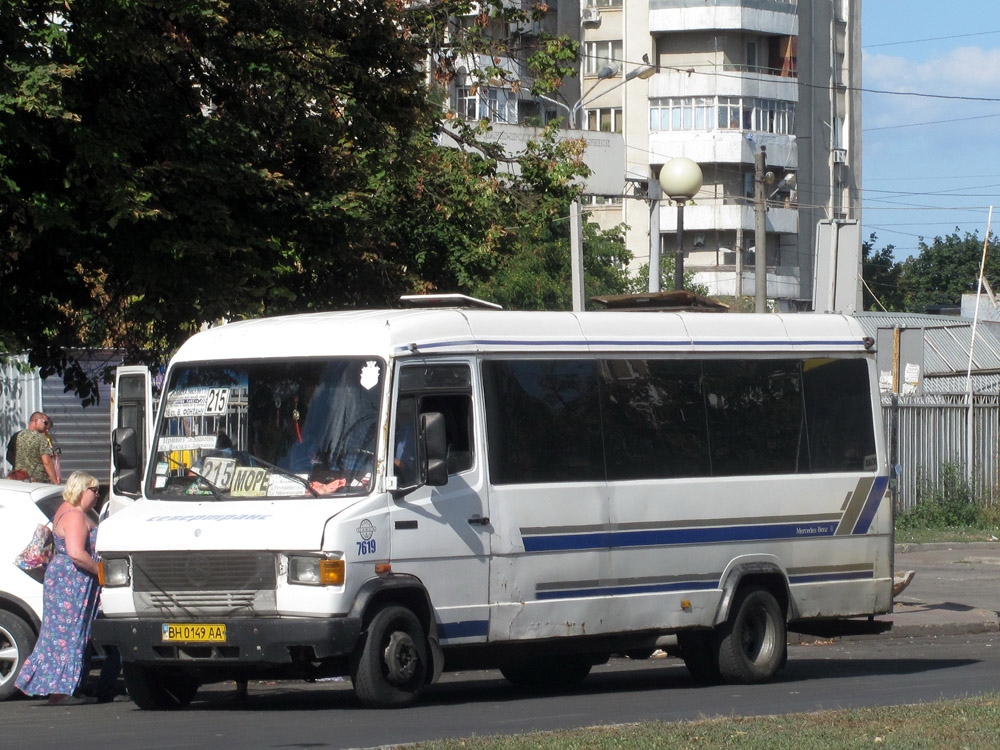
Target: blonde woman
x,y
55,667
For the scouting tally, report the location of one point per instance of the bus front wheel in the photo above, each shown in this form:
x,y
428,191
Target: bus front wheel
x,y
752,642
158,689
392,664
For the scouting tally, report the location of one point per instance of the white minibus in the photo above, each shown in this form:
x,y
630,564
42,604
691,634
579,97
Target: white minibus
x,y
387,494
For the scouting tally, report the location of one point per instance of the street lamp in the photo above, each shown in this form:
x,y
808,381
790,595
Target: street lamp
x,y
680,180
576,212
643,72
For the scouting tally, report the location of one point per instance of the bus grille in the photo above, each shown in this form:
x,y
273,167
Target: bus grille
x,y
213,571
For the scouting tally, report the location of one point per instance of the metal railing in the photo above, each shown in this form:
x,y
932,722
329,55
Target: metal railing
x,y
932,431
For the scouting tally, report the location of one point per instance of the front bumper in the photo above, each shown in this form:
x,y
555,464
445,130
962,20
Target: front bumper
x,y
263,641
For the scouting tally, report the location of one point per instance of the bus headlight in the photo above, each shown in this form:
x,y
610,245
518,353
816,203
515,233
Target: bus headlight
x,y
315,571
114,572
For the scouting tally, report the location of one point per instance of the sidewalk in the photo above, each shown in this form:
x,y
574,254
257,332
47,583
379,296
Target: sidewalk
x,y
956,590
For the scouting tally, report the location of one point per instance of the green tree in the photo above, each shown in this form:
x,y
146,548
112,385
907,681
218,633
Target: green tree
x,y
942,271
166,164
640,282
881,274
537,274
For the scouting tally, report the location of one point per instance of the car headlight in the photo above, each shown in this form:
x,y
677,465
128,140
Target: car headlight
x,y
114,572
315,571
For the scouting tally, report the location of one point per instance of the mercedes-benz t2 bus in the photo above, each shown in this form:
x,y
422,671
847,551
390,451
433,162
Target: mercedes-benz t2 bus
x,y
387,494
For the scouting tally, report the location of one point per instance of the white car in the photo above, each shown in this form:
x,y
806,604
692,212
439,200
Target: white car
x,y
23,505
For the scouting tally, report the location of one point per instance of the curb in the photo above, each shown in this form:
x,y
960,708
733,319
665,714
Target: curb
x,y
926,630
904,547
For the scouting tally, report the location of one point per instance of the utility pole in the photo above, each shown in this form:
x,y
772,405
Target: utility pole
x,y
760,233
679,254
655,194
576,255
739,265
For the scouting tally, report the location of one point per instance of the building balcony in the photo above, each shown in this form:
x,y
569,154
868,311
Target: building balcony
x,y
707,81
723,147
708,217
782,282
764,16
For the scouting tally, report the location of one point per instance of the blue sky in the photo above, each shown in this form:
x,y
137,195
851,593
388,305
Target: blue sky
x,y
930,164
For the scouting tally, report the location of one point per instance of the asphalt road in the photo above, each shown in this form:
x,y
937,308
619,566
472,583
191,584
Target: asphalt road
x,y
326,715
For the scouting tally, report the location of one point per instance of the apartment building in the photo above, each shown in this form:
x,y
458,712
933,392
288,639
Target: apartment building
x,y
729,78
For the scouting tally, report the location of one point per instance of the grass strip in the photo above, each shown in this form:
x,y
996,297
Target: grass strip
x,y
964,723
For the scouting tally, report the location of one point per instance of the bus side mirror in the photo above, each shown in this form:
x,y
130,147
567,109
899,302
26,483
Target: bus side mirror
x,y
435,442
125,448
125,455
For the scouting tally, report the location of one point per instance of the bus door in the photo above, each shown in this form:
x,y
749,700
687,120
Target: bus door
x,y
131,407
441,535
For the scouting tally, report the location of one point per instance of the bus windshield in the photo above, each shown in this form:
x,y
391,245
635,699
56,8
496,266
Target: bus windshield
x,y
266,429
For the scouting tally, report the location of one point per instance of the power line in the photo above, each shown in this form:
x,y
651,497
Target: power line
x,y
936,177
929,122
928,39
693,70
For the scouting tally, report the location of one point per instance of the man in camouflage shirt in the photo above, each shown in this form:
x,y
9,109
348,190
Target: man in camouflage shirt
x,y
34,452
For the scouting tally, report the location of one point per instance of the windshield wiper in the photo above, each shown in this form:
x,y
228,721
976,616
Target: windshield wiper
x,y
214,490
284,473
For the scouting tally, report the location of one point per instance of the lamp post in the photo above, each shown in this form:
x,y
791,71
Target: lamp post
x,y
575,210
680,180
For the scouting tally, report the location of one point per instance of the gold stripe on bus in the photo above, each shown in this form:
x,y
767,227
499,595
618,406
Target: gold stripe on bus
x,y
856,505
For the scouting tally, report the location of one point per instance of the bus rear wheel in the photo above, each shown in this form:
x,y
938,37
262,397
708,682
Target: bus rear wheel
x,y
752,642
700,655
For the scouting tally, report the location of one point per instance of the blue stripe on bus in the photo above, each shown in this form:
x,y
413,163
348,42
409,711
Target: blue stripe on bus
x,y
662,537
616,342
871,505
464,629
855,575
651,588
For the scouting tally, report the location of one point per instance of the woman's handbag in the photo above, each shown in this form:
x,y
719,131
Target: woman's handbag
x,y
35,558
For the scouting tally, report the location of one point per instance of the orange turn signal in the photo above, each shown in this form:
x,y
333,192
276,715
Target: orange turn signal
x,y
331,572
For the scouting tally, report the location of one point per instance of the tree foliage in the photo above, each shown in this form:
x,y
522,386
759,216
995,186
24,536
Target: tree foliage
x,y
166,164
940,273
640,282
944,270
881,274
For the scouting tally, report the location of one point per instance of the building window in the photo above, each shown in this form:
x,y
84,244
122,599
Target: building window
x,y
605,119
601,54
466,103
752,56
602,200
604,3
682,113
731,113
493,104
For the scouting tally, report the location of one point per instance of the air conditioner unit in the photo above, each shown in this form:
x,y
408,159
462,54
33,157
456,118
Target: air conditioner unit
x,y
590,15
840,156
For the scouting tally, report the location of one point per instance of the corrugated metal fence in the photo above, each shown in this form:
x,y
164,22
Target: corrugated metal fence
x,y
931,431
83,433
20,395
